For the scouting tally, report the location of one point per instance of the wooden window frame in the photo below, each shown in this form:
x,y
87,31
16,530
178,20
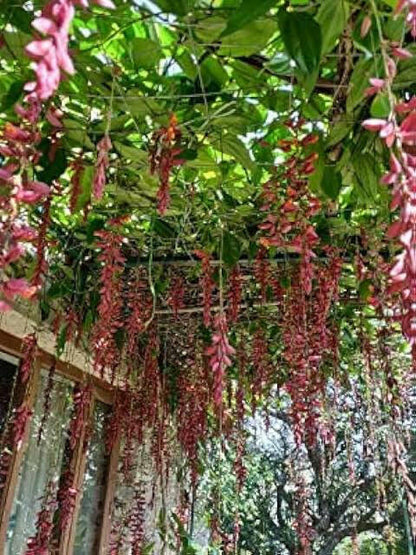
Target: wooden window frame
x,y
102,392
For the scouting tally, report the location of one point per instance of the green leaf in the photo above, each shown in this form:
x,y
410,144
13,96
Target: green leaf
x,y
302,38
145,52
247,12
231,249
86,185
234,147
178,7
359,82
331,182
252,38
380,107
332,17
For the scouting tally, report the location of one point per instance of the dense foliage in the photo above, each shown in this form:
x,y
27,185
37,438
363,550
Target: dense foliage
x,y
190,191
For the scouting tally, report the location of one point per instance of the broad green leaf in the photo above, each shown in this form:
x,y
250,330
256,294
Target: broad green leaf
x,y
302,38
332,17
338,132
212,70
86,186
231,249
210,29
145,53
131,153
178,7
331,182
247,12
380,107
234,147
359,82
252,38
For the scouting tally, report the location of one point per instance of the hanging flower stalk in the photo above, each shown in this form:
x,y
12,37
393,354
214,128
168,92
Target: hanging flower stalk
x,y
77,167
207,284
235,293
22,417
82,397
220,353
41,265
137,522
289,205
110,308
176,294
29,351
399,134
163,157
40,543
66,498
47,397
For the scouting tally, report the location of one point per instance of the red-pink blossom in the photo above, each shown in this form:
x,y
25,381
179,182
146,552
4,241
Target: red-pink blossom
x,y
220,353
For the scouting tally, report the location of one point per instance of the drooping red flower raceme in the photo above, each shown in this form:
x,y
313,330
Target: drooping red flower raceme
x,y
176,297
21,419
111,301
289,205
50,51
29,352
137,522
220,353
303,524
66,498
82,397
235,292
409,6
164,154
47,397
261,365
207,284
41,265
101,166
261,272
77,167
40,542
193,393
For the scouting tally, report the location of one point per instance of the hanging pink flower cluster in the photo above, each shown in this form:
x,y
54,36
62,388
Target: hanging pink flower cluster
x,y
399,134
47,397
192,410
101,166
29,352
235,293
261,366
176,298
137,522
66,498
109,320
139,304
41,264
207,284
164,154
220,353
77,167
261,272
82,397
308,340
40,543
50,50
17,190
288,203
22,417
410,7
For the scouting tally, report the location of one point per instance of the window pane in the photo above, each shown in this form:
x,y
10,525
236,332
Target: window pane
x,y
41,462
94,487
8,368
